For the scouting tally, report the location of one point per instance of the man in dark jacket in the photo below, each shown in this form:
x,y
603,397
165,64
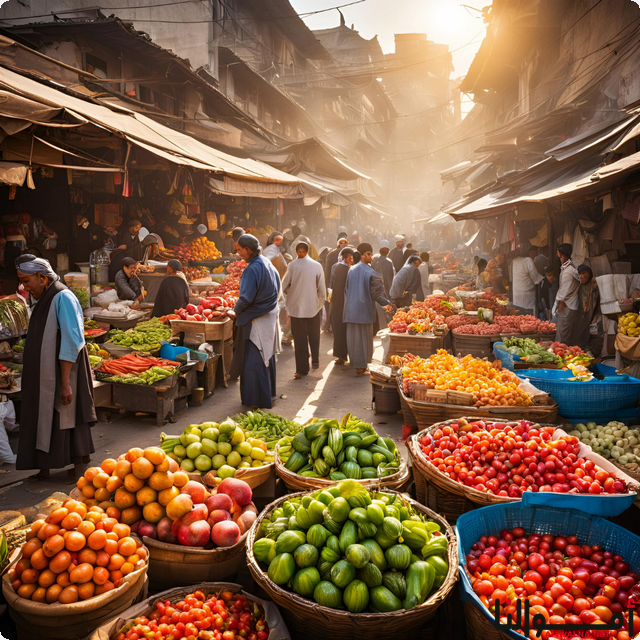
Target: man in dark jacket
x,y
383,265
397,254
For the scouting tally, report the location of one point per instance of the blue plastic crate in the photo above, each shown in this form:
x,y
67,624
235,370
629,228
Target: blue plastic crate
x,y
597,398
471,526
507,359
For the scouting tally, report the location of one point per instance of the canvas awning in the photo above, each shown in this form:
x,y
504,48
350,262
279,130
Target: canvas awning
x,y
252,189
569,185
144,132
15,174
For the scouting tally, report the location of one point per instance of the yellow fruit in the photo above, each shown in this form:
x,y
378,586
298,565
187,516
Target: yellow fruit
x,y
142,468
160,480
155,455
132,483
167,495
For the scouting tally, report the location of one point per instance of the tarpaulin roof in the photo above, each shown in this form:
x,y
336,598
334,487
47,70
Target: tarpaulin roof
x,y
571,184
145,132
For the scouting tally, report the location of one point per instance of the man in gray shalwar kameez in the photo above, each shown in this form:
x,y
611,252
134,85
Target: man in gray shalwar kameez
x,y
364,287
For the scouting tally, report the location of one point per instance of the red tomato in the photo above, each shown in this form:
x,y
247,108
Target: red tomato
x,y
580,605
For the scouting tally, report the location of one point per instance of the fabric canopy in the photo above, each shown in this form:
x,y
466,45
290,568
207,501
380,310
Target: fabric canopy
x,y
142,131
15,174
253,189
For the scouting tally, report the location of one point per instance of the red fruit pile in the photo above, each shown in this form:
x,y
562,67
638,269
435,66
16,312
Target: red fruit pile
x,y
224,617
480,329
563,351
565,582
507,459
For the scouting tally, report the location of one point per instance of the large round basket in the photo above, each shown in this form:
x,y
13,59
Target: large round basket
x,y
173,565
434,489
307,619
452,499
37,621
426,413
112,627
294,482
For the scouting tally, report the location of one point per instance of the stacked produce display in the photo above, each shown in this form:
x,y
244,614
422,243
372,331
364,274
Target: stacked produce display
x,y
349,449
613,441
417,320
347,547
560,578
213,308
510,459
222,447
629,325
509,324
145,336
201,615
195,273
146,490
76,553
487,382
204,249
136,369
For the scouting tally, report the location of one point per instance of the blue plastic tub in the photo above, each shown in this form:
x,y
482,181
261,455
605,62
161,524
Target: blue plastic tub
x,y
597,398
171,351
589,529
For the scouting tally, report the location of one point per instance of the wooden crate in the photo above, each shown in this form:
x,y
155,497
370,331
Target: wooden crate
x,y
477,346
222,330
385,398
207,377
423,346
158,398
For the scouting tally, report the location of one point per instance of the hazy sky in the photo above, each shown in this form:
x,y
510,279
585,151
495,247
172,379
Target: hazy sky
x,y
444,22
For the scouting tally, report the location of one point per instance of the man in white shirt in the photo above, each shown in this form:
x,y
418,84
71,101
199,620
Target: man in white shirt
x,y
526,278
305,292
566,306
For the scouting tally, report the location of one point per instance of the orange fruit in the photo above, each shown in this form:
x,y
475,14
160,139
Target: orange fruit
x,y
153,512
91,473
47,578
86,528
113,512
30,547
71,521
68,595
155,455
88,491
103,558
160,480
53,545
81,574
132,483
133,454
127,546
146,495
142,468
116,577
74,540
127,568
124,499
100,575
116,562
39,595
38,561
97,540
86,591
123,469
122,530
87,555
131,515
102,495
110,548
113,483
57,515
63,578
109,523
53,592
108,465
103,588
60,562
180,478
27,590
100,481
167,495
165,465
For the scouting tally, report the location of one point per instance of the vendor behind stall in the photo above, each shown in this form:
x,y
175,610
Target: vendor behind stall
x,y
130,240
128,285
173,292
588,332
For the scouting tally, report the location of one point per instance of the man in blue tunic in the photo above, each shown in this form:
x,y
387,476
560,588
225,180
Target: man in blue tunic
x,y
364,287
257,338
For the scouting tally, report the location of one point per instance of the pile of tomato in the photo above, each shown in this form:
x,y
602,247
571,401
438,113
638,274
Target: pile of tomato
x,y
564,581
507,459
224,616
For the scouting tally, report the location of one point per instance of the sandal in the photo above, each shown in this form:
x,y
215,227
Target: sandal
x,y
297,376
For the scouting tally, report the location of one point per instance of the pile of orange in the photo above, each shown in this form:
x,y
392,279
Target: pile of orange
x,y
489,384
77,553
139,485
203,249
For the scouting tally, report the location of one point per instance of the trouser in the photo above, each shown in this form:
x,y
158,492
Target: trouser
x,y
566,326
306,335
327,323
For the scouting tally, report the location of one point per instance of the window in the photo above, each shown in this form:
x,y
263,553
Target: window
x,y
96,66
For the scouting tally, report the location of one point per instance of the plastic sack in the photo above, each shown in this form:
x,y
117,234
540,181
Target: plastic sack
x,y
105,299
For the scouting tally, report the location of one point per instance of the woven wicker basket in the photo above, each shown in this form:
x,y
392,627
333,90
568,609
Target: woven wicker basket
x,y
427,413
478,627
307,619
449,497
295,482
40,621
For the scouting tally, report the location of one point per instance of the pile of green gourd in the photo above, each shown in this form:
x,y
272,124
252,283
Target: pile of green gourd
x,y
338,451
348,548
